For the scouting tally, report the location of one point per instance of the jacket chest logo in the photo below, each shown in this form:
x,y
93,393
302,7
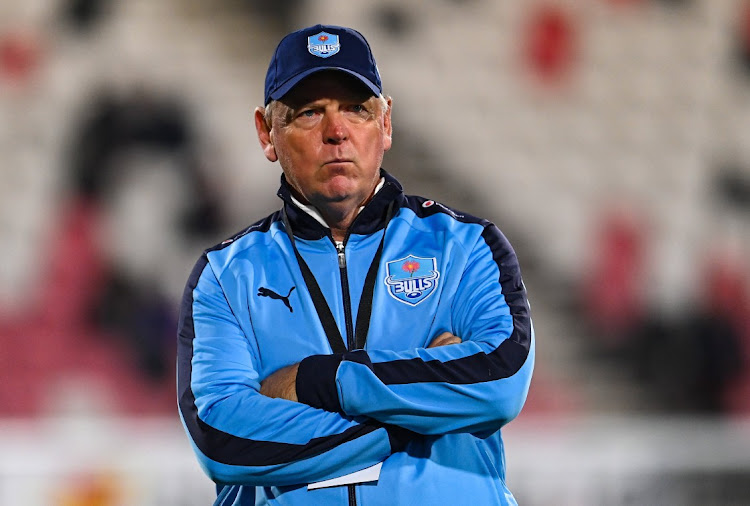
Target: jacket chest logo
x,y
411,279
267,292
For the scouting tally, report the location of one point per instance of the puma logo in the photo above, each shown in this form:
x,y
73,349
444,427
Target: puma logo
x,y
267,292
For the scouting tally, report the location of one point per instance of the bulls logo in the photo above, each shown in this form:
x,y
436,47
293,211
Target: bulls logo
x,y
323,44
411,279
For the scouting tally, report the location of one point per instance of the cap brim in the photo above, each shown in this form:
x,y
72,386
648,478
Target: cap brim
x,y
293,81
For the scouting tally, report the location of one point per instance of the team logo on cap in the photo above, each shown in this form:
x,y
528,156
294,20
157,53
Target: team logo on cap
x,y
412,279
323,44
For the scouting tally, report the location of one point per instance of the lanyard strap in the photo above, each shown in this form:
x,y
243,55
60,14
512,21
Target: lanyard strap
x,y
321,306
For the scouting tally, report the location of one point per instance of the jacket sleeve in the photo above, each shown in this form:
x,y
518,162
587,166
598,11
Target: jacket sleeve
x,y
241,436
476,386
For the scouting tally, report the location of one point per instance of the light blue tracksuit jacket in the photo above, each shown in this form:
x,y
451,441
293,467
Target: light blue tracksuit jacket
x,y
433,417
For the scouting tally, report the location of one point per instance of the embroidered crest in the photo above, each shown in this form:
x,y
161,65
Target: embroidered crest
x,y
411,279
323,44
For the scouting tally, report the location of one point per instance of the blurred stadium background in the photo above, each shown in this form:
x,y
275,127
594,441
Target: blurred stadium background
x,y
609,139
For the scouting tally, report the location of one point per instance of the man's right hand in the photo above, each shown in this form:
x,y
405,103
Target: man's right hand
x,y
444,339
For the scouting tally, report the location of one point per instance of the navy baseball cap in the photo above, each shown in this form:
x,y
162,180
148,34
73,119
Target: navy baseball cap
x,y
316,48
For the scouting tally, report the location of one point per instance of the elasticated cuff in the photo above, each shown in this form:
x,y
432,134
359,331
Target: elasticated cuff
x,y
316,382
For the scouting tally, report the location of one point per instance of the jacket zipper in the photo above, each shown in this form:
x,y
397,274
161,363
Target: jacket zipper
x,y
345,295
349,325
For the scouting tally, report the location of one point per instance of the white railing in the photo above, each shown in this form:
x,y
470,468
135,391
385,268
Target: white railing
x,y
616,461
551,461
123,462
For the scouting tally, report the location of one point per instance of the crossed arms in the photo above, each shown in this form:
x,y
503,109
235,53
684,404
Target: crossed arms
x,y
283,383
330,415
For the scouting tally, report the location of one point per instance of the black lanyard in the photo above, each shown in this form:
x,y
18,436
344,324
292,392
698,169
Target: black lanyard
x,y
321,306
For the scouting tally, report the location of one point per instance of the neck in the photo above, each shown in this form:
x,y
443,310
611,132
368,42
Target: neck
x,y
339,224
337,216
340,215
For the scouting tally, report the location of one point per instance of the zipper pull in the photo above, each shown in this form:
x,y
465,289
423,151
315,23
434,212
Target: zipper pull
x,y
342,256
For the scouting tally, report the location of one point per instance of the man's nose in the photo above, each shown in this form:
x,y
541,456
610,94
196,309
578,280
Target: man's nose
x,y
334,129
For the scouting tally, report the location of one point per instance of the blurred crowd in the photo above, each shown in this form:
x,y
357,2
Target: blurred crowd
x,y
691,359
605,137
95,324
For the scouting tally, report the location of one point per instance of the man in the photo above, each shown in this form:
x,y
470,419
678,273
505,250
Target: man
x,y
358,328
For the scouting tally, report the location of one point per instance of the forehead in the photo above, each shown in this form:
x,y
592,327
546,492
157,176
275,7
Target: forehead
x,y
327,84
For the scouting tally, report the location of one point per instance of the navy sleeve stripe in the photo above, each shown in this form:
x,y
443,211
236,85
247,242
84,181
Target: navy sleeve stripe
x,y
221,446
504,361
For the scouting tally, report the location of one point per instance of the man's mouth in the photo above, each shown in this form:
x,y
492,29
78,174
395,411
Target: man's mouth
x,y
335,161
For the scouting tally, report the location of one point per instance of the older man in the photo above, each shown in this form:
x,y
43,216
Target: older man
x,y
359,346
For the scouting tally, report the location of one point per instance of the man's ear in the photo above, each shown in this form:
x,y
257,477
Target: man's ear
x,y
264,134
387,126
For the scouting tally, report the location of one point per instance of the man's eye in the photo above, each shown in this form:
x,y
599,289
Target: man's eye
x,y
358,108
308,113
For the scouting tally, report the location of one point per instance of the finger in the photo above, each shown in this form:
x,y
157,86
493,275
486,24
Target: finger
x,y
444,339
437,341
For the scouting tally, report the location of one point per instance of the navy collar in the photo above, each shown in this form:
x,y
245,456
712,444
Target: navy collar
x,y
370,219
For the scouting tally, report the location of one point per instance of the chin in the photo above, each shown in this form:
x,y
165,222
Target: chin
x,y
340,188
335,198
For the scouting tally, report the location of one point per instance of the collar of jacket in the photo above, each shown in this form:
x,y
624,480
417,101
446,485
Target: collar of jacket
x,y
370,219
